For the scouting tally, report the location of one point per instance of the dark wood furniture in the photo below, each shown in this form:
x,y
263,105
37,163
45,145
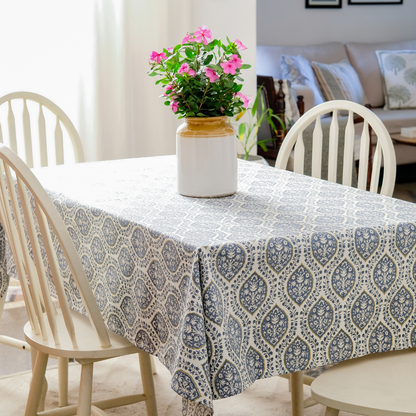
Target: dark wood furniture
x,y
276,101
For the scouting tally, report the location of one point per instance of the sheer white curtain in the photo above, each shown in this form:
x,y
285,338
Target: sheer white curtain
x,y
91,58
129,120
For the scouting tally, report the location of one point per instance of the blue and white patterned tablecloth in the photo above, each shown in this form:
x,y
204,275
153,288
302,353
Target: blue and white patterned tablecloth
x,y
289,273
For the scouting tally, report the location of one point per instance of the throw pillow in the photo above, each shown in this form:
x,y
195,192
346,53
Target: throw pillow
x,y
298,70
398,71
339,81
291,107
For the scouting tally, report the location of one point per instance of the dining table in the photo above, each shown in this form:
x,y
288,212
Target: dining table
x,y
287,274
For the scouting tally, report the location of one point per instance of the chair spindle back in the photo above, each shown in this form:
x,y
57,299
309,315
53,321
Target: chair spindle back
x,y
61,119
31,223
384,151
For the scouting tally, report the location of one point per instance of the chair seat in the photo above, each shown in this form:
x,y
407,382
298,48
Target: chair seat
x,y
380,384
88,344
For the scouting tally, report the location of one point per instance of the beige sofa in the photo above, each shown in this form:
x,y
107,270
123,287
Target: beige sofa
x,y
363,59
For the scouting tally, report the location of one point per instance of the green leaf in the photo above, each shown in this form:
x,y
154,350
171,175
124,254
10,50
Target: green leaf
x,y
262,145
201,115
190,114
165,81
153,74
228,40
240,79
255,105
245,66
228,83
208,59
260,142
280,121
190,53
176,48
237,87
167,103
209,47
241,131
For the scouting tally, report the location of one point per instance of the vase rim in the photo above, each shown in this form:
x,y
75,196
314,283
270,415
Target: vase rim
x,y
208,119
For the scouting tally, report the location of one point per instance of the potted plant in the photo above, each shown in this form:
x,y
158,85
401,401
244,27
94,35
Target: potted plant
x,y
202,84
247,131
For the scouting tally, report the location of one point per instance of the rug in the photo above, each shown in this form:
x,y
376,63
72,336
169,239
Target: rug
x,y
118,376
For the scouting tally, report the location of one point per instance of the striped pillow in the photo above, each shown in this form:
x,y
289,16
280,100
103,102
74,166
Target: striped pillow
x,y
339,81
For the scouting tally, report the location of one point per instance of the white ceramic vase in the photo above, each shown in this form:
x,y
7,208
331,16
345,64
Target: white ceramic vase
x,y
207,157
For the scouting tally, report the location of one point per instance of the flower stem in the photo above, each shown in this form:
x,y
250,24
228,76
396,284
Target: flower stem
x,y
202,99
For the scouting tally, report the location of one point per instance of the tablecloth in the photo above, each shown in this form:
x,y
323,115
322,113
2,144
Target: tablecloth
x,y
289,273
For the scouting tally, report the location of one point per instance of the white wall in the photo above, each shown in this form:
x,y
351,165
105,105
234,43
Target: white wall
x,y
288,22
235,19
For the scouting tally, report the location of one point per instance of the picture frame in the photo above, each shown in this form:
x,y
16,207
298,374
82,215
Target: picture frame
x,y
374,2
323,4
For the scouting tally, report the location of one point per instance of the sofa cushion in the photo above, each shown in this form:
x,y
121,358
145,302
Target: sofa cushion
x,y
362,57
268,57
398,71
339,81
394,120
291,108
298,70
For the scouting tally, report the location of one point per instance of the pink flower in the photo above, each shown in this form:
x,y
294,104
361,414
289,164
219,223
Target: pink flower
x,y
234,59
210,73
246,100
174,105
170,50
157,57
228,68
203,35
168,91
188,39
185,69
239,45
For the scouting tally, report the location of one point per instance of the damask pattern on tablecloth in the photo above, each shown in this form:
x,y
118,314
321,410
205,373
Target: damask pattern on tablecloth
x,y
4,275
288,274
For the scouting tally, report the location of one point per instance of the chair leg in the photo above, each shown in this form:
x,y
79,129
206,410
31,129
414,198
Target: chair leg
x,y
331,412
296,381
85,390
147,381
63,381
2,302
152,362
41,405
37,384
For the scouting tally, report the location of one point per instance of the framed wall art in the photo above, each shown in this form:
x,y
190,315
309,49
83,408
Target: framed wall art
x,y
323,4
375,2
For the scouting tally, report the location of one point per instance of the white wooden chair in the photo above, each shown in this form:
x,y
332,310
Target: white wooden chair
x,y
384,150
53,139
381,384
293,146
44,126
54,328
